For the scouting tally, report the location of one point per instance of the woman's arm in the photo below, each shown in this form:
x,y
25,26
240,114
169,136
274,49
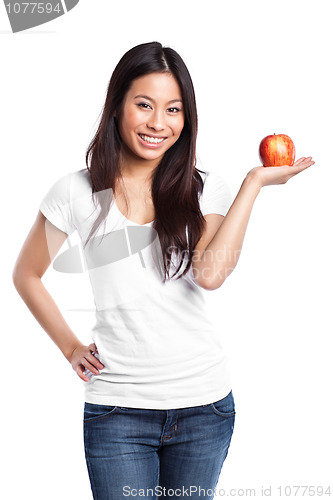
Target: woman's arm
x,y
213,265
40,247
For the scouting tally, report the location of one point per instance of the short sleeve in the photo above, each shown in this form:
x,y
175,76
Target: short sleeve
x,y
56,204
216,196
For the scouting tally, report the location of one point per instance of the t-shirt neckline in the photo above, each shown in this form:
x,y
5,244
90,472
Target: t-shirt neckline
x,y
129,220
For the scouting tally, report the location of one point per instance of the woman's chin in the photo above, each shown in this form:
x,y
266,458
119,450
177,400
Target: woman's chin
x,y
150,155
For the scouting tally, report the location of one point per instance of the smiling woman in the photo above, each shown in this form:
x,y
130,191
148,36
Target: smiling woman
x,y
148,125
159,409
144,152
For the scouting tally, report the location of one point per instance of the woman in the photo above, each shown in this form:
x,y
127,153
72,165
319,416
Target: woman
x,y
159,410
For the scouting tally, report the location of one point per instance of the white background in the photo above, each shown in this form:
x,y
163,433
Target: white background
x,y
258,67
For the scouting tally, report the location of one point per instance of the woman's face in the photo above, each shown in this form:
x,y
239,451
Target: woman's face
x,y
152,116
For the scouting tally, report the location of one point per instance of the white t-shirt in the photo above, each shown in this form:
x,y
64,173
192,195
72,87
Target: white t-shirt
x,y
159,348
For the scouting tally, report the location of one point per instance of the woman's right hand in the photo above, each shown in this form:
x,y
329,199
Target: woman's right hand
x,y
83,358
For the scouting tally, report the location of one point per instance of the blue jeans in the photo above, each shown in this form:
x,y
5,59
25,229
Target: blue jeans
x,y
142,453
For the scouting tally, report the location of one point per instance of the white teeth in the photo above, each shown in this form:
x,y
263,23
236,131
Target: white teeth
x,y
155,140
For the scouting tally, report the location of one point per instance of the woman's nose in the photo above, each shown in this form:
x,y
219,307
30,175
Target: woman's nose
x,y
156,121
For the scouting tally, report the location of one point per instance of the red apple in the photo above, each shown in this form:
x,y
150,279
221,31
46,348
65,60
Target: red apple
x,y
277,150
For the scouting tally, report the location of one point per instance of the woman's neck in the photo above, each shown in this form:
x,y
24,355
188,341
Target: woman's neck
x,y
137,169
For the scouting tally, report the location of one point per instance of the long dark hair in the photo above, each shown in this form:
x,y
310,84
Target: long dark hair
x,y
176,182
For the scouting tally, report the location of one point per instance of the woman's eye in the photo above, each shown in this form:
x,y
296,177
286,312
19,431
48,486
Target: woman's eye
x,y
143,105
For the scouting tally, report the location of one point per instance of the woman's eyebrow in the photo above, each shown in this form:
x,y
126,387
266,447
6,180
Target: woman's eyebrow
x,y
152,100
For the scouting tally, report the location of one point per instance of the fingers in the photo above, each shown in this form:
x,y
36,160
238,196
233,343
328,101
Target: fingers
x,y
304,159
94,361
81,367
300,165
305,163
80,372
299,160
88,360
90,366
93,347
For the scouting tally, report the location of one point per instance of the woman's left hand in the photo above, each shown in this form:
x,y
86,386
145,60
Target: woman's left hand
x,y
267,176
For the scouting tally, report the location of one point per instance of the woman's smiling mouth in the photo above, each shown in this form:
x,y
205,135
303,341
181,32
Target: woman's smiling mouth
x,y
151,141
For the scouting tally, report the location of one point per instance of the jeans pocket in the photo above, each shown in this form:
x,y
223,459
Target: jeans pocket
x,y
224,407
93,412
